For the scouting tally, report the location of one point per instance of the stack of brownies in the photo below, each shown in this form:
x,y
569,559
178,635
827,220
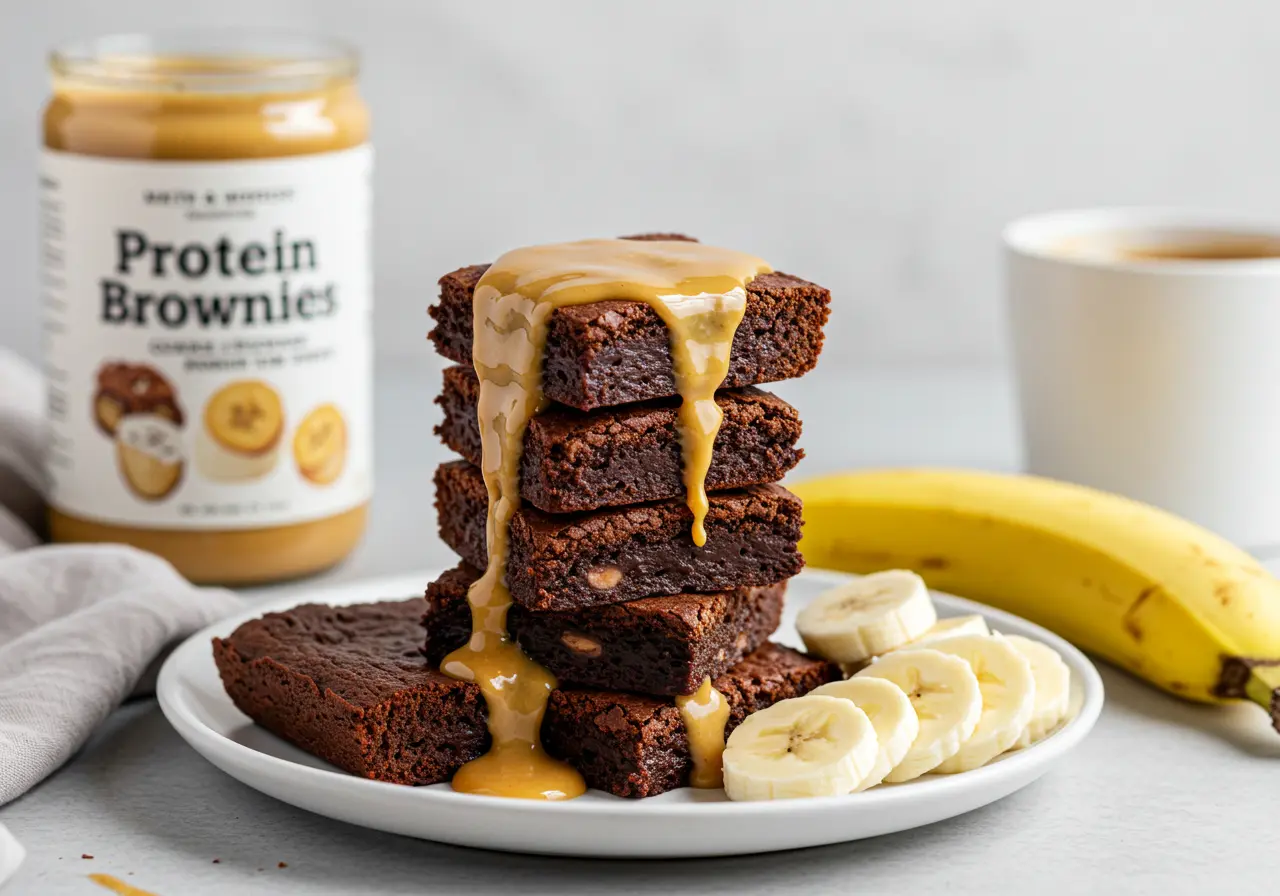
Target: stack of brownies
x,y
610,592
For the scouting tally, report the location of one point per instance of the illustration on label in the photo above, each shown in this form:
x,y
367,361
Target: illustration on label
x,y
137,407
149,450
240,441
320,445
125,389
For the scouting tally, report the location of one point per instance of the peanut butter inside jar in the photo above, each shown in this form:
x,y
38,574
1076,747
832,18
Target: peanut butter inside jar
x,y
210,358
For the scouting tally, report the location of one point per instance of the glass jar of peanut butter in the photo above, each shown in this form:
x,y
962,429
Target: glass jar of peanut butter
x,y
205,274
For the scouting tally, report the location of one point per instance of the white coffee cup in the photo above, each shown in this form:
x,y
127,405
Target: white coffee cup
x,y
1152,376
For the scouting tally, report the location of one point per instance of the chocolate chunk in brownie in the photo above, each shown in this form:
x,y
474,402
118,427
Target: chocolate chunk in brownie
x,y
614,352
348,684
125,389
583,460
653,645
636,746
571,561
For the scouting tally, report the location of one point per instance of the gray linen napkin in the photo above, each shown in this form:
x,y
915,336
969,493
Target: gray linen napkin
x,y
79,624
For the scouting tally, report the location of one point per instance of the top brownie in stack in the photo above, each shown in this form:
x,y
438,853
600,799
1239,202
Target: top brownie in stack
x,y
615,352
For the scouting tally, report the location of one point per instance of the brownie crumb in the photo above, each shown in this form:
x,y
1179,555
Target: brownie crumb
x,y
85,855
282,864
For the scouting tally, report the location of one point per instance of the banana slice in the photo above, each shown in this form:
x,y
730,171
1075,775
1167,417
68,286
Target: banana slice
x,y
951,627
806,746
891,714
1053,688
867,617
1008,698
943,628
945,694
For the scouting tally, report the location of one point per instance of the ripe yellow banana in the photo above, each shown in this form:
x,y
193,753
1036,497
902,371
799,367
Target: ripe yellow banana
x,y
1153,593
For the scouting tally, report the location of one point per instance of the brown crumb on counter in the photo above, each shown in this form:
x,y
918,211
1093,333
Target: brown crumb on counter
x,y
217,861
85,855
282,864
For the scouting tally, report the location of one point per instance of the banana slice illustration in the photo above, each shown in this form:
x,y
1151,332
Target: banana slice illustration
x,y
867,617
891,714
813,745
1008,698
947,700
320,445
1053,688
149,455
240,439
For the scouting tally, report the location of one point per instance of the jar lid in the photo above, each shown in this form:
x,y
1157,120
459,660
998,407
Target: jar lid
x,y
207,61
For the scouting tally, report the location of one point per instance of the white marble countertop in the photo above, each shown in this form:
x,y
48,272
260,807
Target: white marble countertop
x,y
1164,796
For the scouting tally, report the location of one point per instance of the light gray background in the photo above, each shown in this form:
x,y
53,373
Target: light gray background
x,y
875,148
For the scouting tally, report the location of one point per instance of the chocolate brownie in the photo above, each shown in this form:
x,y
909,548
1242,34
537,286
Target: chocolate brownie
x,y
125,389
571,561
636,746
582,460
347,684
614,352
654,645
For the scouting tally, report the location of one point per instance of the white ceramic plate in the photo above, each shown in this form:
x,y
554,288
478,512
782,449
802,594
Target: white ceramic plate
x,y
681,823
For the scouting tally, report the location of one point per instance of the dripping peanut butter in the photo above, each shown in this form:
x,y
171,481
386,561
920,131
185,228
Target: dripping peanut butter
x,y
705,712
205,214
699,293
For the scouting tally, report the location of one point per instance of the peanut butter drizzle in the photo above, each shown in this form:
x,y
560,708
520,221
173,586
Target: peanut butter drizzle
x,y
117,886
705,712
700,293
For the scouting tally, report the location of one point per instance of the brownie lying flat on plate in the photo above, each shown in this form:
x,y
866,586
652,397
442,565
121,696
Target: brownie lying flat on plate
x,y
582,460
571,561
614,352
654,645
348,684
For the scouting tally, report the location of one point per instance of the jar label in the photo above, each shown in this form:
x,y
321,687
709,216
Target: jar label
x,y
207,338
